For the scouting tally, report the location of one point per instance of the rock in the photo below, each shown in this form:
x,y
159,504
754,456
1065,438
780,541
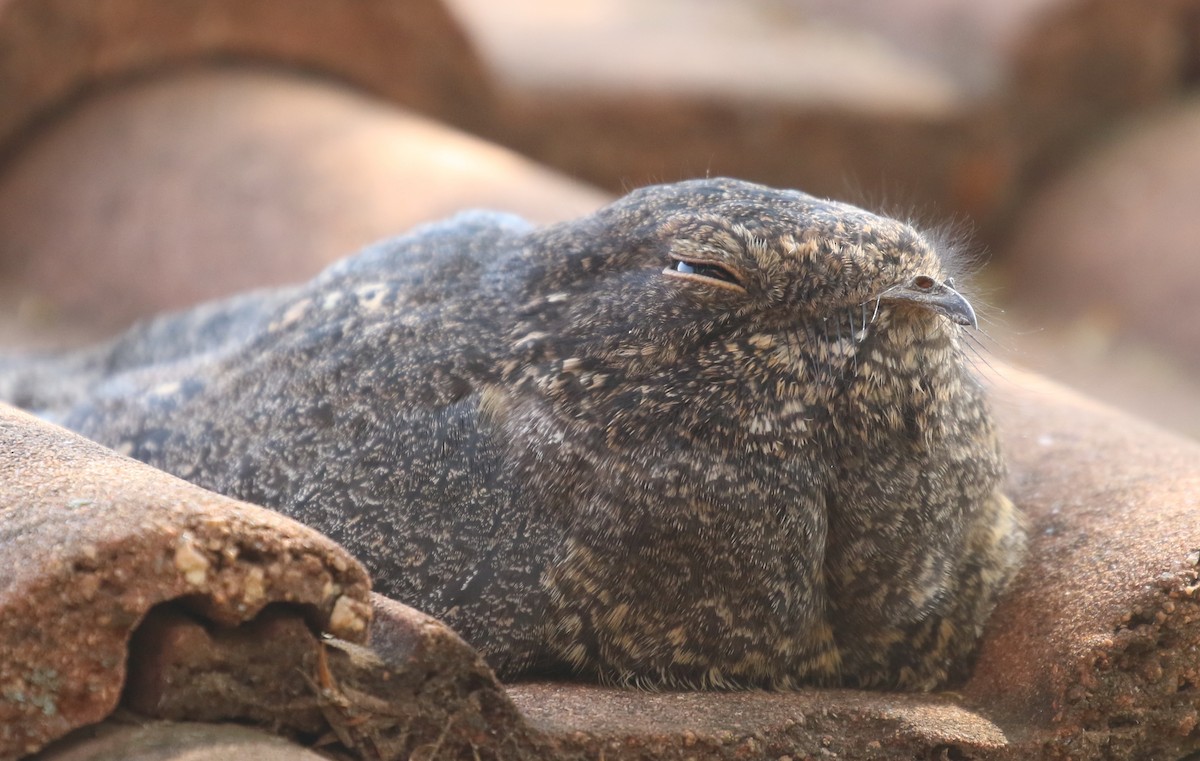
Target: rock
x,y
421,692
1102,273
169,741
407,51
844,724
1114,238
198,184
1094,650
263,671
93,541
416,688
934,105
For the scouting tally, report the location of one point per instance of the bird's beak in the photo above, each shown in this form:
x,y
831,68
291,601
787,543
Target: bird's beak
x,y
940,297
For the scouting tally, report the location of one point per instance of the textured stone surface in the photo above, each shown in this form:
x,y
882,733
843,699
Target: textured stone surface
x,y
417,689
421,692
92,541
169,741
1096,650
623,724
195,185
263,671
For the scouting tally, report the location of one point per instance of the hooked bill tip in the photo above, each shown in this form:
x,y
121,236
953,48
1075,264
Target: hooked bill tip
x,y
939,297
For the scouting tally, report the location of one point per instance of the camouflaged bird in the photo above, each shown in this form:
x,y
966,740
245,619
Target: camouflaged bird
x,y
713,435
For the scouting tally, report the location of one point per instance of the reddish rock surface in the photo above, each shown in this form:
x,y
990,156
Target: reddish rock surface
x,y
1093,653
408,51
204,183
418,690
170,741
91,541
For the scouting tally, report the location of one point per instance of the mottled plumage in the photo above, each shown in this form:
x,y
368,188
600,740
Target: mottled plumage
x,y
712,435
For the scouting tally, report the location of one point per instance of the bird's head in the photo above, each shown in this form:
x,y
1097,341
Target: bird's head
x,y
717,279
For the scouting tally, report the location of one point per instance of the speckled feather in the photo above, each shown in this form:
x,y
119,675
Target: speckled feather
x,y
694,439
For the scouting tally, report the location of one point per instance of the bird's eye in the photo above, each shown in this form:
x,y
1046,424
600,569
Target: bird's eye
x,y
924,282
705,270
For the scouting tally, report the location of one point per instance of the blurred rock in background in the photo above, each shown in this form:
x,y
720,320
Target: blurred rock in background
x,y
199,183
951,106
1103,268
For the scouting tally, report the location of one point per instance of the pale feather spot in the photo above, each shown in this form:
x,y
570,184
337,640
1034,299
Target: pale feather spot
x,y
290,317
331,300
371,296
166,389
